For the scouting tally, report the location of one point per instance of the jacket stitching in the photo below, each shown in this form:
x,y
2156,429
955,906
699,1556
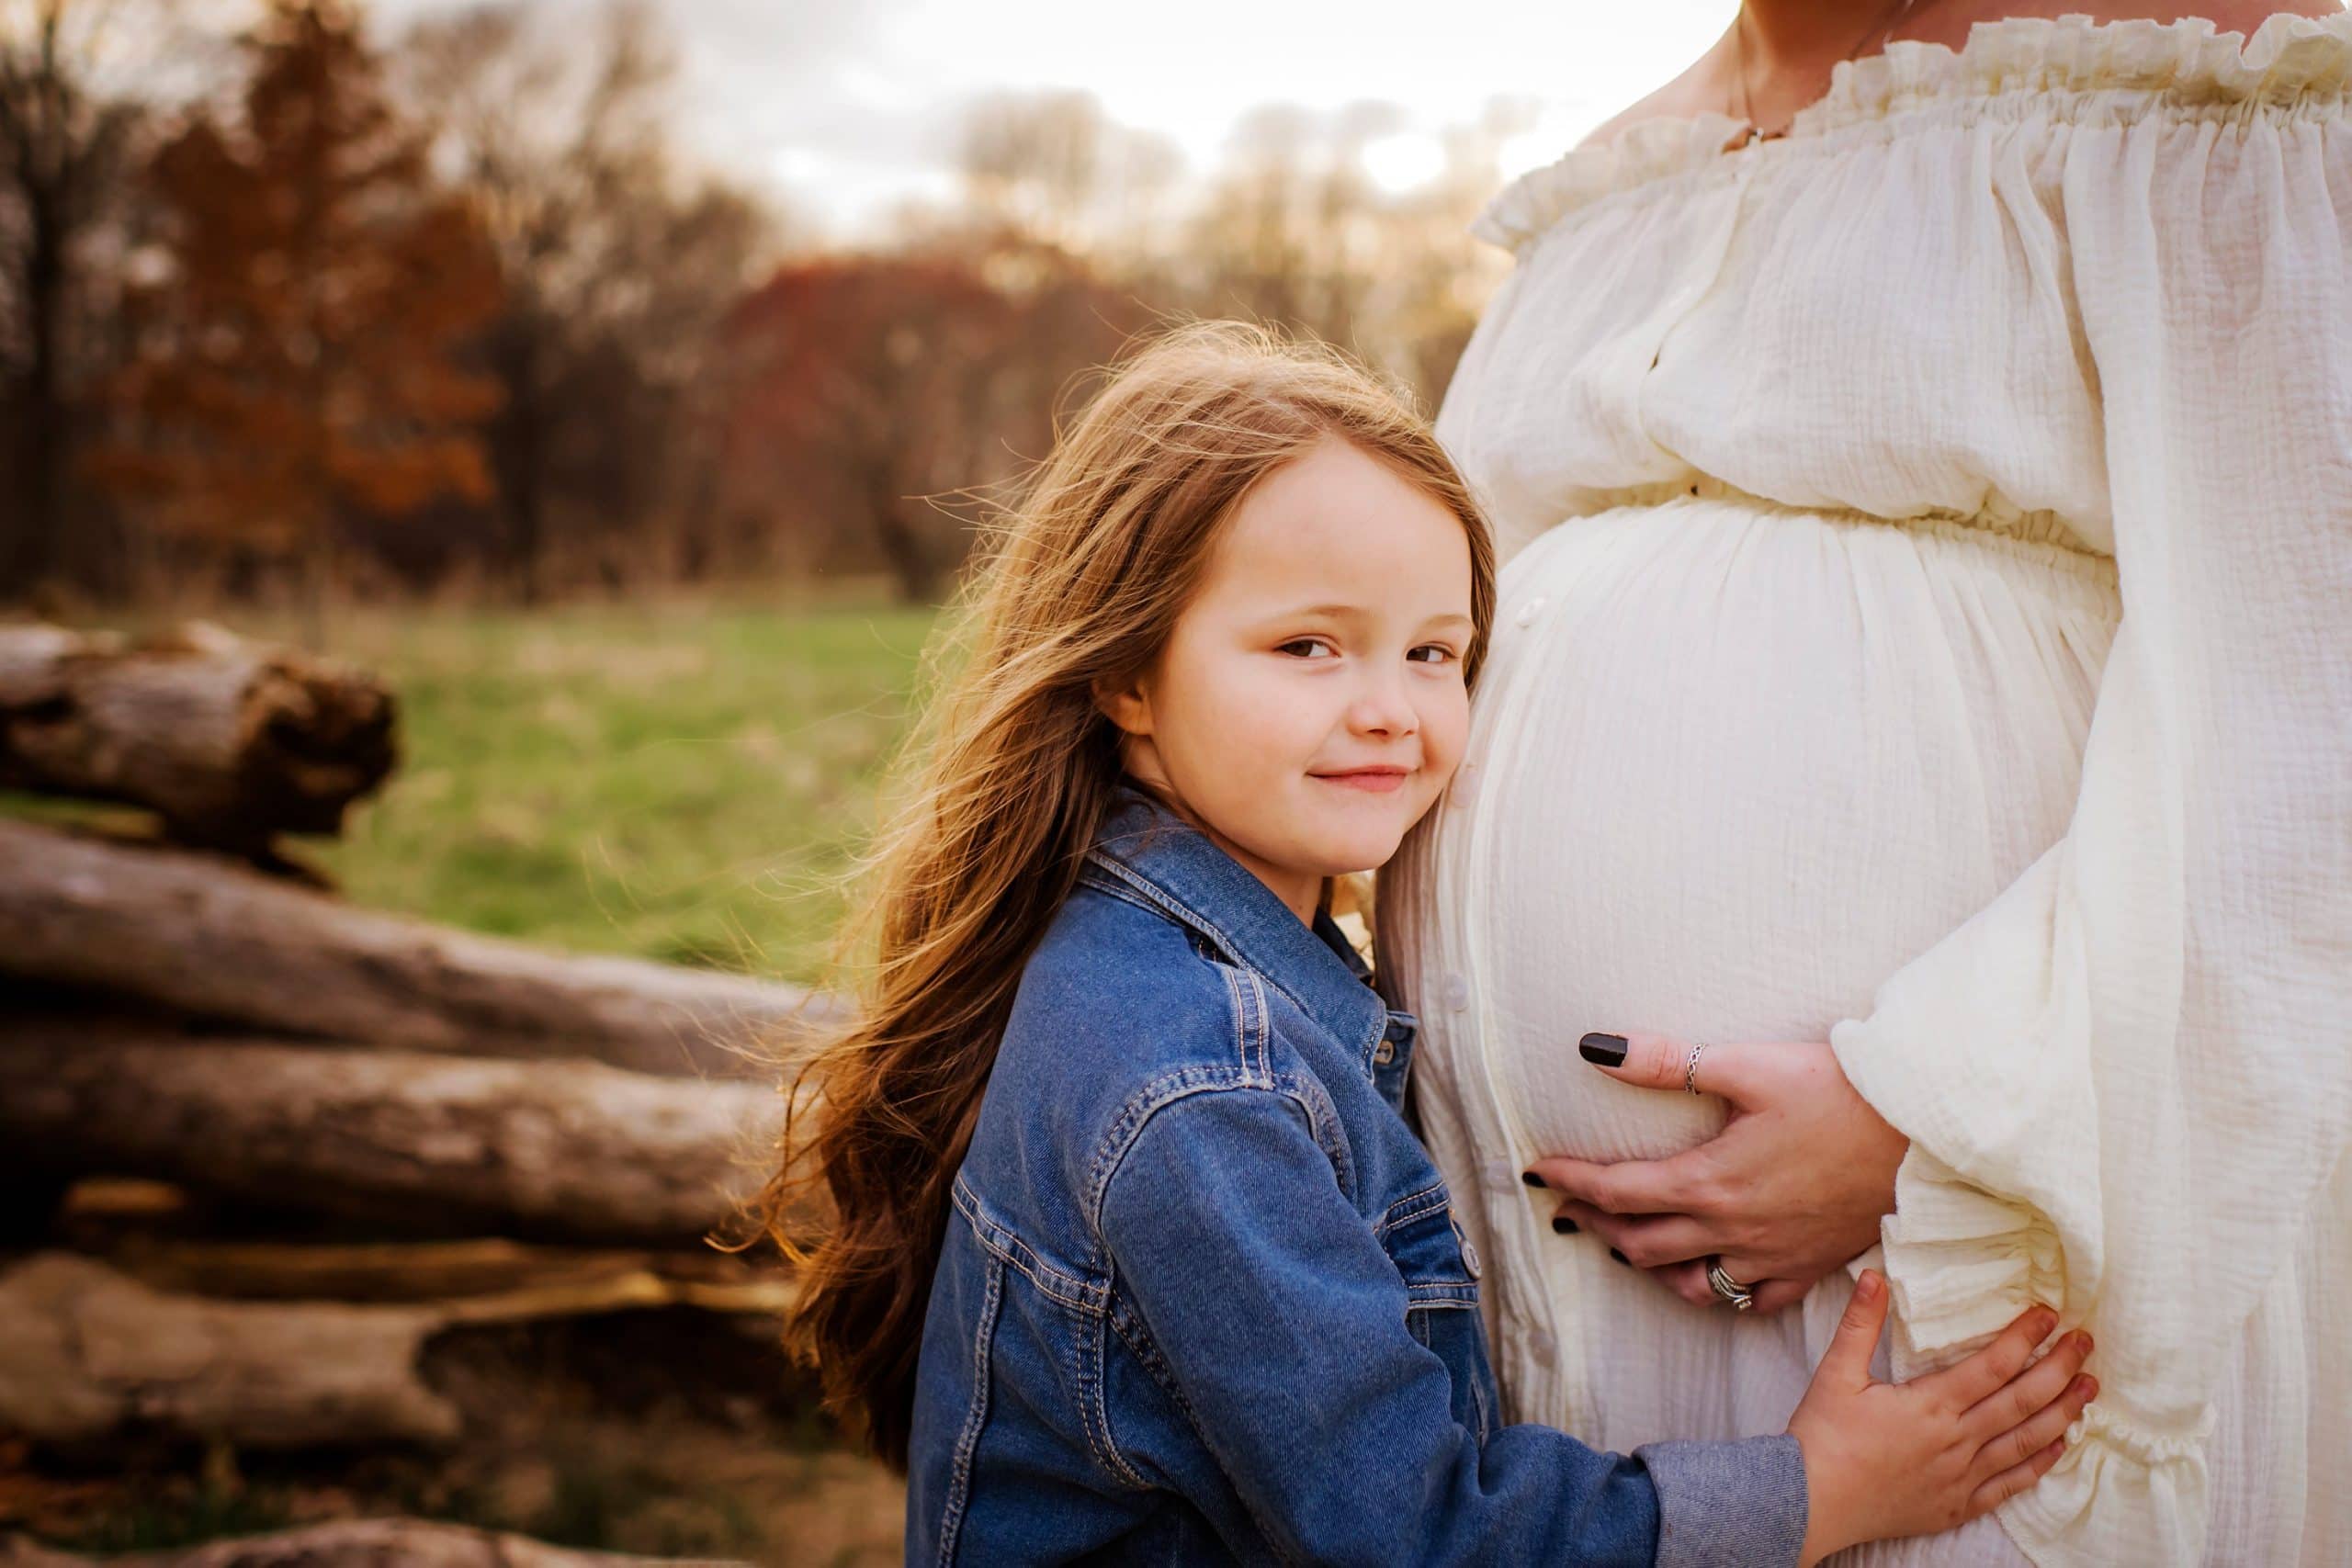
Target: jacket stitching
x,y
1184,912
1094,1414
1441,1294
1429,1199
959,1485
1322,1122
1113,889
1085,1295
1140,1345
1249,1022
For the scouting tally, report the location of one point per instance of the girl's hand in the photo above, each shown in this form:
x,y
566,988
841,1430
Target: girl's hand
x,y
1793,1186
1885,1460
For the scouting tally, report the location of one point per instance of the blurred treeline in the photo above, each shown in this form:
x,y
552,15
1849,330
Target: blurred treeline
x,y
293,306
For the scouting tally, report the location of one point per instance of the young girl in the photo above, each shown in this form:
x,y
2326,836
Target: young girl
x,y
1133,1255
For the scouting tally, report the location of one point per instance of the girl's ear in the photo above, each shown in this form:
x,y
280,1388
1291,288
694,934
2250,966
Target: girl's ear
x,y
1126,704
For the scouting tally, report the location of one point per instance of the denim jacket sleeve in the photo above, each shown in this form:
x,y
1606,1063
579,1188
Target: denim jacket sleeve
x,y
1283,1322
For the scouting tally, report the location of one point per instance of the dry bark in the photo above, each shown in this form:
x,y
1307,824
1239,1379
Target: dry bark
x,y
89,1353
230,742
574,1151
202,934
359,1543
384,1271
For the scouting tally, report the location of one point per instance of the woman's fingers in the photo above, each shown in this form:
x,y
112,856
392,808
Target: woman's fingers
x,y
1688,1281
2038,1386
1682,1251
1963,1385
1644,1241
2016,1448
1778,1295
1681,1185
1645,1061
1663,1061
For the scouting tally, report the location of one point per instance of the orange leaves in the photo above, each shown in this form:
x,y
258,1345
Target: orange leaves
x,y
301,353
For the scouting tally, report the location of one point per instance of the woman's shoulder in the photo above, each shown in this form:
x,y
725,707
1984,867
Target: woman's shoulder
x,y
1696,92
1702,87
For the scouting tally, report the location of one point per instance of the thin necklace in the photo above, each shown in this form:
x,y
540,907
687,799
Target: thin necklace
x,y
1891,20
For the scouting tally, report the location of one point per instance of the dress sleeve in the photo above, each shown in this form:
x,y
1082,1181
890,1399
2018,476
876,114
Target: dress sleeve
x,y
2126,1077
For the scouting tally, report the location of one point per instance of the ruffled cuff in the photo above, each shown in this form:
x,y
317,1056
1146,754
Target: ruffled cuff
x,y
1963,1262
2119,1493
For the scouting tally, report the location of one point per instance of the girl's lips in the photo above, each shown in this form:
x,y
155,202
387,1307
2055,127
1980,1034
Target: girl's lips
x,y
1375,781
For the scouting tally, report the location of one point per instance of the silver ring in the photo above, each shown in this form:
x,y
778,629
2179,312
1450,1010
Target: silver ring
x,y
1728,1289
1690,1066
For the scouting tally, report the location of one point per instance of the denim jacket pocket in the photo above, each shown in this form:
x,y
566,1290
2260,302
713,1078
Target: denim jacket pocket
x,y
1440,1267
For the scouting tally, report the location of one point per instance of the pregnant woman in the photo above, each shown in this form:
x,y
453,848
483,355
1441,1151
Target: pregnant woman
x,y
1926,645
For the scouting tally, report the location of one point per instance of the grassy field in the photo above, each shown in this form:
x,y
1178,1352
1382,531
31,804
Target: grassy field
x,y
678,779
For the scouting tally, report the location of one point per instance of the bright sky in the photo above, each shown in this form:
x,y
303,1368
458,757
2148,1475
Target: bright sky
x,y
845,108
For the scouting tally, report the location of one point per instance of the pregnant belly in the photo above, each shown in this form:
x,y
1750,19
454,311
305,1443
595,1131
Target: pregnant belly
x,y
1728,770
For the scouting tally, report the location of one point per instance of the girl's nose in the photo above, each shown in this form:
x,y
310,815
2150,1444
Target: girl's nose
x,y
1381,708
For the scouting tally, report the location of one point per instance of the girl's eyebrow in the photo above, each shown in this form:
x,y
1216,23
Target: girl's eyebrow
x,y
1358,613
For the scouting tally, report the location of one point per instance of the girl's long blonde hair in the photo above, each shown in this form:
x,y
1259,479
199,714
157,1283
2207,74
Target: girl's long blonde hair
x,y
1003,789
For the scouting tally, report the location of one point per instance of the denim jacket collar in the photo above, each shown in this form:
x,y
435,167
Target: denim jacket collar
x,y
1156,854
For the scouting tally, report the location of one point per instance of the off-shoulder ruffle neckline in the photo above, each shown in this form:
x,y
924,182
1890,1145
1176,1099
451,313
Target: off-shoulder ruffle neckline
x,y
2189,59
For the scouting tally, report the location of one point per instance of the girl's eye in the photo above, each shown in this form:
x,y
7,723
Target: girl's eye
x,y
1439,653
1311,645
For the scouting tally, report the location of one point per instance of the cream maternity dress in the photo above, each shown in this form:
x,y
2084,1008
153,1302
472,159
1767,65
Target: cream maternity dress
x,y
1926,625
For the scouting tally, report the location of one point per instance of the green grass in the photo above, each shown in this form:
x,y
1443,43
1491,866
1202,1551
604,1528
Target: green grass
x,y
683,780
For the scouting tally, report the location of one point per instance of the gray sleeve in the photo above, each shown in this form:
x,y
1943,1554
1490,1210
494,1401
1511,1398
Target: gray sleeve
x,y
1726,1503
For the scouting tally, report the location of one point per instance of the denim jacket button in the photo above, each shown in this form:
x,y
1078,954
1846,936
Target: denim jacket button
x,y
1384,1053
1470,1264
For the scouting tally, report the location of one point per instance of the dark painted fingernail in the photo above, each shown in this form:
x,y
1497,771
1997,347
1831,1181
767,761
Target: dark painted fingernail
x,y
1621,1258
1531,1179
1563,1225
1603,1050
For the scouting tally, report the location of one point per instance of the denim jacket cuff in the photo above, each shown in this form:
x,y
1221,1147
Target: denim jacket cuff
x,y
1722,1504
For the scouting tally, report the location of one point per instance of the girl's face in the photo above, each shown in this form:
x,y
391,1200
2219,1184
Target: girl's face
x,y
1310,704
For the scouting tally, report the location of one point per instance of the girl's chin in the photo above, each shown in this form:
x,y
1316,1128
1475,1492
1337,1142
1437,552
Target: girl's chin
x,y
1355,852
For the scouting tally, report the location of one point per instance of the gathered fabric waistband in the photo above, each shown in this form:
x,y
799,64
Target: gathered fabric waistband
x,y
2045,534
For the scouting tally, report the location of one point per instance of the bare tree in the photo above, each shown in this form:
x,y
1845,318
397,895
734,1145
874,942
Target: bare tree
x,y
69,116
1054,167
617,265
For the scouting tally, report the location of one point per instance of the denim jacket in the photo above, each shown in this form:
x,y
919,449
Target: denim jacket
x,y
1202,1298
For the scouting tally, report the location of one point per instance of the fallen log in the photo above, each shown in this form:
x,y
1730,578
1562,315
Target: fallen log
x,y
396,1272
571,1151
89,1353
358,1543
210,937
230,742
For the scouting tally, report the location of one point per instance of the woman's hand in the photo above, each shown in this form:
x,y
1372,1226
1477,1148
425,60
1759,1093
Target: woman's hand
x,y
1793,1186
1887,1460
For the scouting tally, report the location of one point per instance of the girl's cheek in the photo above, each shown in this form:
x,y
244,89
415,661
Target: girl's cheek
x,y
1449,729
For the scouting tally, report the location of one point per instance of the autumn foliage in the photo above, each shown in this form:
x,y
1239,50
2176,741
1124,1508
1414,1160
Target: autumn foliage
x,y
381,312
301,353
890,389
